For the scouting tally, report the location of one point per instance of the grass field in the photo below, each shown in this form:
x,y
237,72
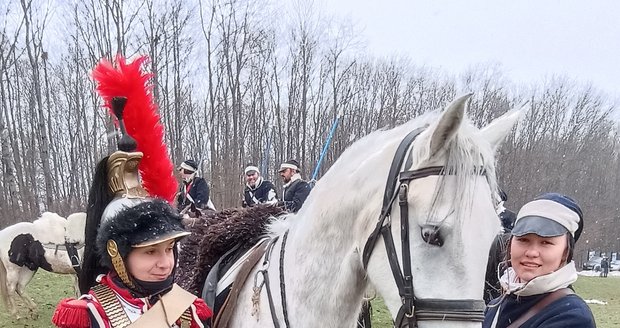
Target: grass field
x,y
47,289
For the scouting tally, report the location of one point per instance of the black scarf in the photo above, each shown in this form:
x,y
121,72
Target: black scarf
x,y
151,290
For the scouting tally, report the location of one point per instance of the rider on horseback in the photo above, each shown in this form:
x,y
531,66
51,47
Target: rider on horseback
x,y
257,190
194,192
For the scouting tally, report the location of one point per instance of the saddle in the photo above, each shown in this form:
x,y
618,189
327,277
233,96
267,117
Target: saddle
x,y
217,241
230,270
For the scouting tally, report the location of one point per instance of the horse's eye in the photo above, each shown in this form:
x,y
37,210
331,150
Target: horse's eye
x,y
431,234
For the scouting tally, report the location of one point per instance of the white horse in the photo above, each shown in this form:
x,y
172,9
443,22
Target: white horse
x,y
27,246
448,230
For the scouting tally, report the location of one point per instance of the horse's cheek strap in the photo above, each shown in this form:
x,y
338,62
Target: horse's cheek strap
x,y
389,194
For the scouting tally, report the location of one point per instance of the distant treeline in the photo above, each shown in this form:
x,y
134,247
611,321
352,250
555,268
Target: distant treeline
x,y
249,81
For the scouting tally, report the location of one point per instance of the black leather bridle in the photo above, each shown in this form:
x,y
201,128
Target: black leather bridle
x,y
413,309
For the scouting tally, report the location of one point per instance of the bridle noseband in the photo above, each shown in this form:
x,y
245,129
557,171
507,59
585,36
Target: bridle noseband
x,y
413,309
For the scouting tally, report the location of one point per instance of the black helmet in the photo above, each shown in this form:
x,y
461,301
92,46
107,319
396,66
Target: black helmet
x,y
148,223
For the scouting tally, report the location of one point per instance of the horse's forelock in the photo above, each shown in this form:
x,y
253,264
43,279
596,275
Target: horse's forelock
x,y
468,156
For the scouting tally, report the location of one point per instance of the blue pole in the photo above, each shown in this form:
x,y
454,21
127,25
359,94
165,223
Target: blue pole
x,y
325,147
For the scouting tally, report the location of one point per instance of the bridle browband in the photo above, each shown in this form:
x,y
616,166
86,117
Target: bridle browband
x,y
413,309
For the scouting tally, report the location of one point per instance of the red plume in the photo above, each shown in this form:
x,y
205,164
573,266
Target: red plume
x,y
141,120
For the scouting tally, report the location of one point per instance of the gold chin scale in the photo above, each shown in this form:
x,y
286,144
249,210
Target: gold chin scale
x,y
117,262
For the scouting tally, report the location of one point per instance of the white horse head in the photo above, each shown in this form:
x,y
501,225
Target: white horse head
x,y
451,224
452,218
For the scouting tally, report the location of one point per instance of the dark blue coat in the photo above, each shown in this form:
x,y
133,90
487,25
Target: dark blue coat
x,y
567,312
198,191
295,195
259,194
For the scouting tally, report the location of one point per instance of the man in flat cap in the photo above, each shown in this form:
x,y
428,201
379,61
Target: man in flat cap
x,y
296,190
195,191
257,190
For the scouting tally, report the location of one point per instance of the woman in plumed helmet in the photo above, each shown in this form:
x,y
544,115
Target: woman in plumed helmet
x,y
130,254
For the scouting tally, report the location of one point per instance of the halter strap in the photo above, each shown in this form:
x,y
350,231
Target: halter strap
x,y
389,194
413,308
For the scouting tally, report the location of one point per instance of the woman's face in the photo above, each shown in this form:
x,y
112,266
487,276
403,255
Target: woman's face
x,y
532,255
152,263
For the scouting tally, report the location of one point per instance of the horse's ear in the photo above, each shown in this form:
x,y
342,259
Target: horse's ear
x,y
498,129
449,124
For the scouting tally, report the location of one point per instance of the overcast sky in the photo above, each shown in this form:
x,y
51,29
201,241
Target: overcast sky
x,y
530,39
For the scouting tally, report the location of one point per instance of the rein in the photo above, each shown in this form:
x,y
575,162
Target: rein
x,y
413,309
265,282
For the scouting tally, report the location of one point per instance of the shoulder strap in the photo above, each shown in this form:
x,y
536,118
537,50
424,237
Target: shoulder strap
x,y
556,295
111,306
167,310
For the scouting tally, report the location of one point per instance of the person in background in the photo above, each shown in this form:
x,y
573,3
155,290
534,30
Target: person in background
x,y
296,190
257,190
604,267
194,193
496,264
537,284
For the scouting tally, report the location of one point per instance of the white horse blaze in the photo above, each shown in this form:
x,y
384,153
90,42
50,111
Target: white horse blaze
x,y
324,277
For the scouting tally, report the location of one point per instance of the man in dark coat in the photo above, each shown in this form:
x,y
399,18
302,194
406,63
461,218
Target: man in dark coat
x,y
296,190
497,253
194,192
257,190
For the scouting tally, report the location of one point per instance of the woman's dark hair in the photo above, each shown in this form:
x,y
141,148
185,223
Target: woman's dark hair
x,y
571,248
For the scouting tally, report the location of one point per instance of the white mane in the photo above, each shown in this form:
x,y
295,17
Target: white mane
x,y
351,171
50,228
76,223
357,179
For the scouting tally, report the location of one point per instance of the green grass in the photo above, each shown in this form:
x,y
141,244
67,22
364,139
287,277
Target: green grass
x,y
602,289
47,289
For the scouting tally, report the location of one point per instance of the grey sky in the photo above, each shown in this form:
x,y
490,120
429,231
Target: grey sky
x,y
530,39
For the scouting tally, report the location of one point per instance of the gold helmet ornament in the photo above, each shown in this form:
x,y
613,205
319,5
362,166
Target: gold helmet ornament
x,y
128,203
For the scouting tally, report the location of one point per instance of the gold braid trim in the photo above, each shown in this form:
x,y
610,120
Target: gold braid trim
x,y
186,318
119,265
111,306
